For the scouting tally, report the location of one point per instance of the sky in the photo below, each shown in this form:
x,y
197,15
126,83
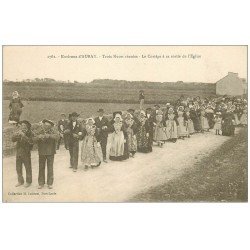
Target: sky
x,y
133,63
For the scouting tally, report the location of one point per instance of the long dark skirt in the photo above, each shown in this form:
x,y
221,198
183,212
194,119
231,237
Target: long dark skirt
x,y
144,143
227,127
197,123
210,119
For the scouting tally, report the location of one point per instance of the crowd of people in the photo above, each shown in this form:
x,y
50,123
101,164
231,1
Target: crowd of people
x,y
124,135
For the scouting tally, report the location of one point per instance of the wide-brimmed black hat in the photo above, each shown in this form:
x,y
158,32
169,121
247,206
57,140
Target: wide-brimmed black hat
x,y
100,110
48,121
117,112
27,123
74,114
148,109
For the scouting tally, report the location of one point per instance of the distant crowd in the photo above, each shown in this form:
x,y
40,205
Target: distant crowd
x,y
120,138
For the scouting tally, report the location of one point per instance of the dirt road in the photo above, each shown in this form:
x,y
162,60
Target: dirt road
x,y
112,181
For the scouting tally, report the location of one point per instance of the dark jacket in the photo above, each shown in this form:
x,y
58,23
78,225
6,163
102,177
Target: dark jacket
x,y
135,119
150,126
24,144
16,101
71,132
100,124
47,146
141,96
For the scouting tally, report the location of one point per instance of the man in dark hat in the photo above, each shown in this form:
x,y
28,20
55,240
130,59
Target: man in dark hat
x,y
24,140
102,125
46,140
75,133
62,124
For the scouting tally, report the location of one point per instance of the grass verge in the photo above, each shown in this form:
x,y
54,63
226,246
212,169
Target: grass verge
x,y
222,176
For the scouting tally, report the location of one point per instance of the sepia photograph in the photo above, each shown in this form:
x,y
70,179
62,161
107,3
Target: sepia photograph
x,y
125,124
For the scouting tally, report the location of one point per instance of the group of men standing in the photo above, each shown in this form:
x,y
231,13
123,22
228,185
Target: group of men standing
x,y
48,140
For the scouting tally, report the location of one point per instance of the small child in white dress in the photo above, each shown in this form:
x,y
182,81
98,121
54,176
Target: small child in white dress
x,y
217,123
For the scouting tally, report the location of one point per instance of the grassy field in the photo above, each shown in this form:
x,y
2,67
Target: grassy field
x,y
50,99
221,176
104,93
35,111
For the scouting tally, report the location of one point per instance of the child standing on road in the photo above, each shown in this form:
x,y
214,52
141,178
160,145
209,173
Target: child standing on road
x,y
62,125
217,123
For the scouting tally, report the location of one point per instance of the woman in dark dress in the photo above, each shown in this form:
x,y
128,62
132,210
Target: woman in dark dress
x,y
144,144
131,130
195,117
228,124
210,116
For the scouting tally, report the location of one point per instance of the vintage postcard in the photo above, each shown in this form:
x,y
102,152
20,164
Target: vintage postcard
x,y
125,124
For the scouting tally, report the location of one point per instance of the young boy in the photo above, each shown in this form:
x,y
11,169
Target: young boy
x,y
62,124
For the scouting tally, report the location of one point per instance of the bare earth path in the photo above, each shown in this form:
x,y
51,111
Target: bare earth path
x,y
112,181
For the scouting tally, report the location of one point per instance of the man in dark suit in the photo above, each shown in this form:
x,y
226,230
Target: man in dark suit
x,y
24,140
75,133
46,140
102,125
62,125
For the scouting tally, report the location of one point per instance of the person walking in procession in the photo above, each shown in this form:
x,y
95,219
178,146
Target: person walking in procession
x,y
91,152
74,132
46,139
102,125
24,140
62,125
